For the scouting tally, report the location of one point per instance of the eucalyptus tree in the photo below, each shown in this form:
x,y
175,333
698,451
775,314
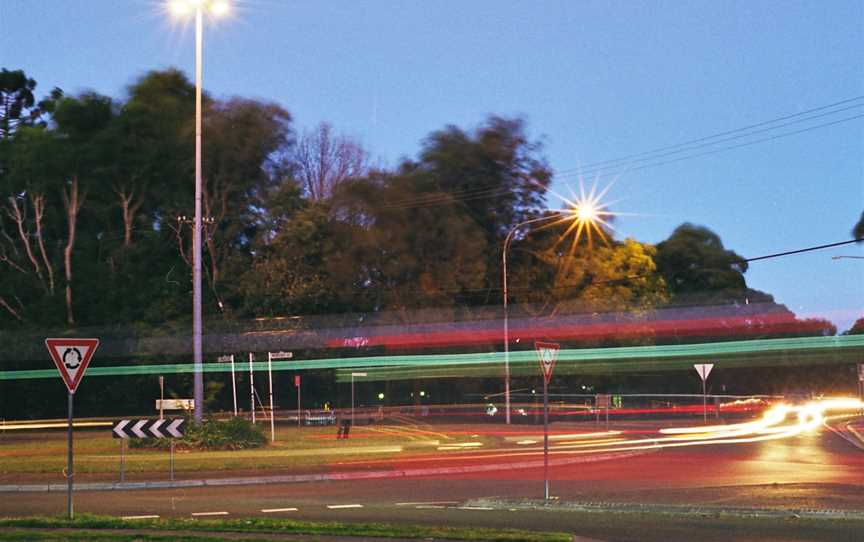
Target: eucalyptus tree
x,y
49,173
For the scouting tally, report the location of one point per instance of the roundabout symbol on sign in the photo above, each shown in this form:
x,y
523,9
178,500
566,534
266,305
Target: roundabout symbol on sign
x,y
73,364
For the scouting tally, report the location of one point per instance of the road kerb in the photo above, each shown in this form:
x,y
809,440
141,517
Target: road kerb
x,y
669,509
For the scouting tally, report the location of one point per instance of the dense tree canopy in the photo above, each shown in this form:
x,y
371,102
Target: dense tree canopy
x,y
858,230
97,195
699,269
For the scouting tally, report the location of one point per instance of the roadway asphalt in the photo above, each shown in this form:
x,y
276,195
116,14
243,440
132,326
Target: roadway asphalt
x,y
820,472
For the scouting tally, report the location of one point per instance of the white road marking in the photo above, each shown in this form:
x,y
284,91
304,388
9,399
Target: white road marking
x,y
339,506
209,513
430,506
425,503
475,508
139,517
272,510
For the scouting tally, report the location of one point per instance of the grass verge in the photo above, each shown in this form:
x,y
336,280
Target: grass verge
x,y
90,525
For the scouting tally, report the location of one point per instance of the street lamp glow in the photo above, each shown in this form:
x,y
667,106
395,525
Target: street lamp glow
x,y
586,211
182,8
583,215
219,8
179,7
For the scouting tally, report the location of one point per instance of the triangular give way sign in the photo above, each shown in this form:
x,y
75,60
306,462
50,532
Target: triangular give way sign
x,y
71,356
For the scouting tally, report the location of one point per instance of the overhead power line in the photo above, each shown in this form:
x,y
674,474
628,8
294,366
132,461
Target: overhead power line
x,y
641,155
730,147
801,250
656,157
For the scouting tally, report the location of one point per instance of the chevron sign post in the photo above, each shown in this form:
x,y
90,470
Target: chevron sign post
x,y
146,428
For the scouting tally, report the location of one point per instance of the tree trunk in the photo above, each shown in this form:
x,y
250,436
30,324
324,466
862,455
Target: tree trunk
x,y
9,308
73,205
39,210
17,215
129,209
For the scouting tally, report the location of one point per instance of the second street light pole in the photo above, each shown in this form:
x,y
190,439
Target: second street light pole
x,y
507,241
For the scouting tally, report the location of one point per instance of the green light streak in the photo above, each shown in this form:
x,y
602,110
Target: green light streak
x,y
794,351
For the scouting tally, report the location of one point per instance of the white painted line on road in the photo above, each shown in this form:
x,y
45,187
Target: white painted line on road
x,y
423,503
339,506
139,517
475,508
273,510
430,506
209,513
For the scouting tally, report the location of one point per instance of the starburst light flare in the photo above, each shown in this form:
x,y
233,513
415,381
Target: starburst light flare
x,y
586,215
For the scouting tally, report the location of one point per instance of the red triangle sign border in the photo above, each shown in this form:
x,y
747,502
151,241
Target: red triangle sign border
x,y
55,345
547,366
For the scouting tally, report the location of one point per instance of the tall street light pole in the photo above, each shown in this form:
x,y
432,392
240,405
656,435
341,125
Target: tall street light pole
x,y
507,241
218,8
583,214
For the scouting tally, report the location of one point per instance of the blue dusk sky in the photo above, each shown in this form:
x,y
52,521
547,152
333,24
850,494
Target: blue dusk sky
x,y
595,81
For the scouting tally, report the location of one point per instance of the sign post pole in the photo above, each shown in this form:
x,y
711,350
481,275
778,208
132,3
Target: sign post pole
x,y
270,357
122,460
70,469
547,354
161,397
251,387
270,378
546,438
297,384
71,357
234,385
704,369
230,358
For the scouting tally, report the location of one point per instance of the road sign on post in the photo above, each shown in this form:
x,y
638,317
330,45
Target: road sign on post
x,y
704,369
71,356
147,428
547,354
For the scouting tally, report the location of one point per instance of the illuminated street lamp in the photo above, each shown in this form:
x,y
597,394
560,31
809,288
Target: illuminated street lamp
x,y
183,8
584,216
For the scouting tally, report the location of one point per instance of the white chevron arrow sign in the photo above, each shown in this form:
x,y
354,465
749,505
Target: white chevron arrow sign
x,y
174,428
146,428
136,429
154,429
118,429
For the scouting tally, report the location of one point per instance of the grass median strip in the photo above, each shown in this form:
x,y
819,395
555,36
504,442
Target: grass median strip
x,y
89,527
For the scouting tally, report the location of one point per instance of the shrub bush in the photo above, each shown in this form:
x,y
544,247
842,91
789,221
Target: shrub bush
x,y
211,434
